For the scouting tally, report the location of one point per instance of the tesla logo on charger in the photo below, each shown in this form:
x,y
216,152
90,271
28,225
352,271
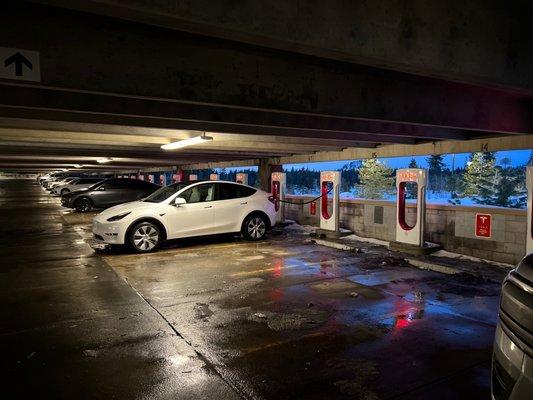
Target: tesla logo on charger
x,y
327,176
483,225
408,176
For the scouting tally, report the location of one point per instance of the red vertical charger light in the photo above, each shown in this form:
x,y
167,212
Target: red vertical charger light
x,y
324,202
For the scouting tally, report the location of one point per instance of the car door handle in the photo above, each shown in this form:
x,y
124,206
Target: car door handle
x,y
208,207
242,204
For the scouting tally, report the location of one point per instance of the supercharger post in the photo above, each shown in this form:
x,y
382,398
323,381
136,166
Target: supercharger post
x,y
193,177
330,183
277,183
410,235
241,178
163,179
151,178
178,177
213,177
529,232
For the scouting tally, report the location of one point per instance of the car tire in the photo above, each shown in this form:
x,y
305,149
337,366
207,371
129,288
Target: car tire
x,y
145,237
254,227
83,205
64,191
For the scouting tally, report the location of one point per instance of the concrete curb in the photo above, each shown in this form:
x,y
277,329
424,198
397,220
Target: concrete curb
x,y
435,267
420,264
335,245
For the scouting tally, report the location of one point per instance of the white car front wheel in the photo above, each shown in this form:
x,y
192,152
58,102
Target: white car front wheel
x,y
145,237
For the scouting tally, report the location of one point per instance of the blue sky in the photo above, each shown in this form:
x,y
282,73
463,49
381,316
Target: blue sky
x,y
518,158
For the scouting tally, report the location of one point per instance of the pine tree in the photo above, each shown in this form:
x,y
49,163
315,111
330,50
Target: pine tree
x,y
480,178
376,179
509,187
411,188
436,169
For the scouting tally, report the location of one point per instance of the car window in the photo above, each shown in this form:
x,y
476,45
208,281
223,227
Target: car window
x,y
199,193
165,192
228,191
117,184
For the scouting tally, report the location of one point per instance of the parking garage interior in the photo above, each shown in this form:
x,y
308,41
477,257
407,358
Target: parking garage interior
x,y
219,316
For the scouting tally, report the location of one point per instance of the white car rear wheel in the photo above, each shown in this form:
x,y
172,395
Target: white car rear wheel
x,y
254,227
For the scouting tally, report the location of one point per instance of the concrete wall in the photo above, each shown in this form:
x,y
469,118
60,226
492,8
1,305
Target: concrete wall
x,y
451,226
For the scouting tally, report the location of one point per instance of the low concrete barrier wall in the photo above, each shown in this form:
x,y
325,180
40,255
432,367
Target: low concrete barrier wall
x,y
451,226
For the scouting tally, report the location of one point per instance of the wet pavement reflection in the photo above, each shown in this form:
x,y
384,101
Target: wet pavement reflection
x,y
285,318
277,319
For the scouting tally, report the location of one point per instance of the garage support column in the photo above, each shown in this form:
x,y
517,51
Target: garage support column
x,y
266,167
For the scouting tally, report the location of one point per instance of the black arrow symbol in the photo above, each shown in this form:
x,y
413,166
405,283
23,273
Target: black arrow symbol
x,y
18,59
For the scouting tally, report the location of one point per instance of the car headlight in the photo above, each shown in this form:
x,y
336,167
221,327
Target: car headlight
x,y
118,217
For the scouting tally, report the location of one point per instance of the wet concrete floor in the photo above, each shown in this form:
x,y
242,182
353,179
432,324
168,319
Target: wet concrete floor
x,y
223,318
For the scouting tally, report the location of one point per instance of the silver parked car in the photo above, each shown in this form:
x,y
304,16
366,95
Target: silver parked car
x,y
512,361
76,184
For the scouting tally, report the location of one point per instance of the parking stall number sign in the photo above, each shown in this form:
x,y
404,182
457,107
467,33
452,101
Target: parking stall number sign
x,y
20,64
483,225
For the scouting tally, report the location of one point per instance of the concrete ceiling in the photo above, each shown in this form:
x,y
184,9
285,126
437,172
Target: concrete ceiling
x,y
134,87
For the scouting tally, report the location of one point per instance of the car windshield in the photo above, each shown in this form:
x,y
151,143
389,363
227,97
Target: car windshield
x,y
165,192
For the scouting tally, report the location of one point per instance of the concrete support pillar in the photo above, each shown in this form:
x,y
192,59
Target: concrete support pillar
x,y
266,167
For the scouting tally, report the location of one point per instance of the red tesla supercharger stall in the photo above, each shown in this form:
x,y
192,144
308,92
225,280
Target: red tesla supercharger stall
x,y
178,177
411,233
151,178
330,182
277,184
241,178
529,232
163,179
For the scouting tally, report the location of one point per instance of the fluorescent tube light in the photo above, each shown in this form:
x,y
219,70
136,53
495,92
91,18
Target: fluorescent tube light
x,y
104,160
186,142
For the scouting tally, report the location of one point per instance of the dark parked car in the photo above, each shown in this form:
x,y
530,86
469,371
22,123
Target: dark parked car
x,y
107,193
512,361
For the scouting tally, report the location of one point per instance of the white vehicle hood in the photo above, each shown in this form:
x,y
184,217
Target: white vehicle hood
x,y
126,207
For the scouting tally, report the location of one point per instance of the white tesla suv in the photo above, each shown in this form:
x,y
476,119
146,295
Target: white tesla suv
x,y
187,209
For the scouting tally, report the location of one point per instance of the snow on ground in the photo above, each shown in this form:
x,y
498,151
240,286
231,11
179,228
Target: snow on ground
x,y
449,254
354,237
437,198
294,226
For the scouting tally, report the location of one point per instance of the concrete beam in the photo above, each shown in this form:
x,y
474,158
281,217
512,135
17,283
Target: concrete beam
x,y
521,142
245,89
479,41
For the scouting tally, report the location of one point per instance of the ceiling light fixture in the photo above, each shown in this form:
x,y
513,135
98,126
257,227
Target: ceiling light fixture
x,y
104,160
78,165
186,142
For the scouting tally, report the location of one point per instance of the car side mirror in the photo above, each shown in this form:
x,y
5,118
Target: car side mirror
x,y
179,201
101,189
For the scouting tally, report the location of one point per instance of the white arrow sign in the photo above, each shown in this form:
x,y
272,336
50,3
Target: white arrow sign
x,y
19,64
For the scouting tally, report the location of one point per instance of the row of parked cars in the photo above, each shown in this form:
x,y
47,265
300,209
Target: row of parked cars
x,y
143,215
